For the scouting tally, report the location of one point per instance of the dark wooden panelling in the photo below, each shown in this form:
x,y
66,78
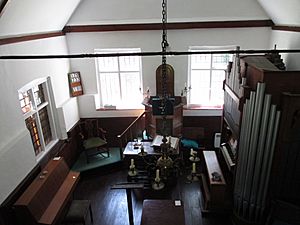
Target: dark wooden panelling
x,y
210,125
69,149
7,213
115,126
11,40
169,26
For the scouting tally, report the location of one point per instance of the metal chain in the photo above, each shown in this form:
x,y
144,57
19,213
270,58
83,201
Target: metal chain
x,y
164,45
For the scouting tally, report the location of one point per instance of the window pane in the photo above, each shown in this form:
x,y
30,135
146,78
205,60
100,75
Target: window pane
x,y
131,94
32,127
25,101
39,94
44,119
108,64
120,80
217,92
201,61
129,63
200,80
220,61
110,88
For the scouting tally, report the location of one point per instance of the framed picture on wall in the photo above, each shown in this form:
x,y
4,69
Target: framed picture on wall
x,y
75,84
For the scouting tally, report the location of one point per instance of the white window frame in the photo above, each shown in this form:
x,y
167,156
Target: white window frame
x,y
35,109
138,105
191,86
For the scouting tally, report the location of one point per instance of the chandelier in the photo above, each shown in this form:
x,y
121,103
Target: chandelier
x,y
162,168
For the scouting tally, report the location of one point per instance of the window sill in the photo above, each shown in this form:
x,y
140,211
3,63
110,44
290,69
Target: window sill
x,y
202,107
197,110
106,109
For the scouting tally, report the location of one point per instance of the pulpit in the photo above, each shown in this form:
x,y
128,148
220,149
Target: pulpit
x,y
154,121
173,123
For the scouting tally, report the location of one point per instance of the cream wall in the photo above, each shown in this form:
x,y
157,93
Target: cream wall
x,y
287,40
179,40
17,157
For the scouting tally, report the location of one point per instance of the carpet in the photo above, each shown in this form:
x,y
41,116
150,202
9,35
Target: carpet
x,y
96,161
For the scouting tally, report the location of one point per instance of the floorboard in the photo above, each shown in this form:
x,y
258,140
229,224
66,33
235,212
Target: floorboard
x,y
110,206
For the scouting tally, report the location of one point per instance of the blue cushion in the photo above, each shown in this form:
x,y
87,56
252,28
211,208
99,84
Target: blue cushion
x,y
187,143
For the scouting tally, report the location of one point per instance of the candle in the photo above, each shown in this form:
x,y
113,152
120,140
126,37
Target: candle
x,y
194,168
132,163
192,152
157,174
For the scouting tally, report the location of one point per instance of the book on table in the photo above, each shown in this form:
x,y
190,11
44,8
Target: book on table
x,y
157,141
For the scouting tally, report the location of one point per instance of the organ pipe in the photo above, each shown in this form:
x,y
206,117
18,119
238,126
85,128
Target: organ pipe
x,y
259,127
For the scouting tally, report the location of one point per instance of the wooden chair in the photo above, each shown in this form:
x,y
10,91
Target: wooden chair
x,y
93,139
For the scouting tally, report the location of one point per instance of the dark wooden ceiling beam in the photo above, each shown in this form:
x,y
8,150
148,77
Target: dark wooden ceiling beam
x,y
286,28
12,40
150,26
170,26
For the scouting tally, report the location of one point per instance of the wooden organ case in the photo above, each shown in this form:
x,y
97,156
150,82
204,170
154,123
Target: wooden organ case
x,y
259,176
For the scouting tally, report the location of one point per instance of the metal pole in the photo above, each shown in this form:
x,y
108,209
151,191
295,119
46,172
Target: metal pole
x,y
129,202
170,53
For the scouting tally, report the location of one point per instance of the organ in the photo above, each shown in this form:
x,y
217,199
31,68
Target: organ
x,y
258,98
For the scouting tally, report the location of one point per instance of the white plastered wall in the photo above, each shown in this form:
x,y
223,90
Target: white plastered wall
x,y
287,40
17,157
179,40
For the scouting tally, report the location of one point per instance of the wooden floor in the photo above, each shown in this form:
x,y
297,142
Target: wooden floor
x,y
110,206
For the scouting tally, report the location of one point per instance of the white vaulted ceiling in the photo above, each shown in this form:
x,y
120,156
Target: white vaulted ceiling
x,y
25,17
285,12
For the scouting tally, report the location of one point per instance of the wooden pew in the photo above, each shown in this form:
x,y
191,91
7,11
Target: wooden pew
x,y
45,200
214,191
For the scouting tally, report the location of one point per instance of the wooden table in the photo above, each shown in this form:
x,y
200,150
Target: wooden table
x,y
133,148
162,212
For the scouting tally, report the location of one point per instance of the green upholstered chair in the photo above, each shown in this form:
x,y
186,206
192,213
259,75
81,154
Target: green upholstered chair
x,y
93,139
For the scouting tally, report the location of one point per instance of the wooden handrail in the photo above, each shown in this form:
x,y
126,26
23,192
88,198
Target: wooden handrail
x,y
128,129
131,125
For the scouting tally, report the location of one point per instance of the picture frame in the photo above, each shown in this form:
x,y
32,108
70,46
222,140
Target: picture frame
x,y
75,84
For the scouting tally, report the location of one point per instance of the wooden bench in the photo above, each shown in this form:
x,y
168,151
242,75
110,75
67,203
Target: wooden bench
x,y
45,200
214,190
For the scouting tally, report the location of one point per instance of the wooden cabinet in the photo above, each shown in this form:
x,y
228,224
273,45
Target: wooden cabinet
x,y
46,198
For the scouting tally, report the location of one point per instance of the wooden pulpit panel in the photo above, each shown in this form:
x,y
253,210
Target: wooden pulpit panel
x,y
169,81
